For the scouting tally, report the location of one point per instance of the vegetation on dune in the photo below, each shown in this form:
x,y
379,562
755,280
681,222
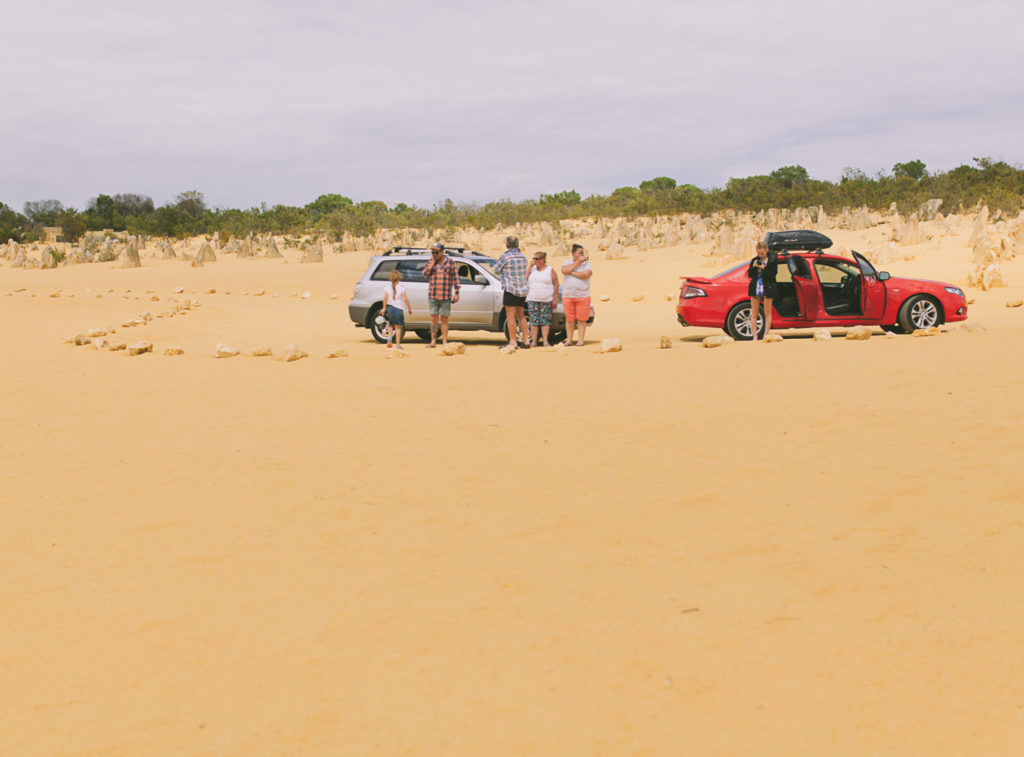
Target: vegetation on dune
x,y
996,183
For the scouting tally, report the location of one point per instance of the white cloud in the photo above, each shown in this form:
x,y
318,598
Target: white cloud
x,y
415,102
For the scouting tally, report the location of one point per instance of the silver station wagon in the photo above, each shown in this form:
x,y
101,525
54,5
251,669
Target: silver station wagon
x,y
480,294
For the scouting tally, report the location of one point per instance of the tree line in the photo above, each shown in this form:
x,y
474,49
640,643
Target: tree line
x,y
996,183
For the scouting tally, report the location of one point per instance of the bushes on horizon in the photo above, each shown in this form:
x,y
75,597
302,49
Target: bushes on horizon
x,y
909,185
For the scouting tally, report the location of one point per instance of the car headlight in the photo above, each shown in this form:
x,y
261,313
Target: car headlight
x,y
955,290
692,292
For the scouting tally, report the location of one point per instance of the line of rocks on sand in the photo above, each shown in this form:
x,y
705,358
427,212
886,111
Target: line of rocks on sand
x,y
96,338
855,334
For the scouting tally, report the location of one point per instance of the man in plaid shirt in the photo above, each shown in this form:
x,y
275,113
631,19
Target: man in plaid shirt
x,y
512,266
443,277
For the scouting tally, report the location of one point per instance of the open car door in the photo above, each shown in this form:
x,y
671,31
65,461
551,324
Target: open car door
x,y
872,290
807,289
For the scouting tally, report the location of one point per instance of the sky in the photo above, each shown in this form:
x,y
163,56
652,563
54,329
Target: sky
x,y
251,102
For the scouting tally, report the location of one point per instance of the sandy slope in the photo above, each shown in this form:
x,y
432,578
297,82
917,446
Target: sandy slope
x,y
800,548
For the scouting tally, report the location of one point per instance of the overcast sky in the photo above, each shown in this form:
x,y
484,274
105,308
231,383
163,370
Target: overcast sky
x,y
251,101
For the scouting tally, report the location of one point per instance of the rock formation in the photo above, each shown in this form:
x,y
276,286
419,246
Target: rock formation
x,y
131,254
272,250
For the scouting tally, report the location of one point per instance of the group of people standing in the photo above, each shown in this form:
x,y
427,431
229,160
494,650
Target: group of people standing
x,y
530,296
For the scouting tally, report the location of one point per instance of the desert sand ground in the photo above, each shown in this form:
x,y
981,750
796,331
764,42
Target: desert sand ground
x,y
794,548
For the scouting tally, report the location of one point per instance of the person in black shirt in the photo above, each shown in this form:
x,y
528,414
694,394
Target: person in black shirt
x,y
762,288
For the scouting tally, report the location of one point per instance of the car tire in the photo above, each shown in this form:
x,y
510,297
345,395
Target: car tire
x,y
423,334
374,322
920,312
737,323
556,337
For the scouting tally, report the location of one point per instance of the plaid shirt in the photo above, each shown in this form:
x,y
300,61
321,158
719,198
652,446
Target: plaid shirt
x,y
512,266
442,277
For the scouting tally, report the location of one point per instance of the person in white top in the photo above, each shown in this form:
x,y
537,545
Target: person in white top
x,y
396,302
542,297
576,294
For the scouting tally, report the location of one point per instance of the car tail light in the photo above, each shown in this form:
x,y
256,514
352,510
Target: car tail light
x,y
691,291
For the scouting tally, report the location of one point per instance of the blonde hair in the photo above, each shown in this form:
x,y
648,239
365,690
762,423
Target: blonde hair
x,y
395,277
761,245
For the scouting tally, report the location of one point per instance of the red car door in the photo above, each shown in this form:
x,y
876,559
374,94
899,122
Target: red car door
x,y
872,291
807,289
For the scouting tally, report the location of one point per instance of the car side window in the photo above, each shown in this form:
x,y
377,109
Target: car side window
x,y
412,271
384,270
466,274
833,272
798,267
783,275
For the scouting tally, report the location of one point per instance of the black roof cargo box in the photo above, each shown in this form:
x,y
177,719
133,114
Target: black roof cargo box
x,y
801,239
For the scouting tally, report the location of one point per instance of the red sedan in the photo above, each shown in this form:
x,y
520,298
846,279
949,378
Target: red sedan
x,y
819,289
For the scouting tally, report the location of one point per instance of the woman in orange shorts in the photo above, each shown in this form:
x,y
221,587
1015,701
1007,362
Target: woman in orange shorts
x,y
576,294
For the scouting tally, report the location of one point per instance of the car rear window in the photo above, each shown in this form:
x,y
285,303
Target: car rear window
x,y
730,270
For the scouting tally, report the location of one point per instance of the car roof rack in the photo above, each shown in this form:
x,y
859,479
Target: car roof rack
x,y
800,239
426,251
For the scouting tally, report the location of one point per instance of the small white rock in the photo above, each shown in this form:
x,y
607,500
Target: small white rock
x,y
291,353
717,341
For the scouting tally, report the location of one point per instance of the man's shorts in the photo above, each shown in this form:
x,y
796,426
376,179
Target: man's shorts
x,y
576,308
439,307
514,300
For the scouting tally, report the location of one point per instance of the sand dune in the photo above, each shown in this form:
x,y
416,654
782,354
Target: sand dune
x,y
796,548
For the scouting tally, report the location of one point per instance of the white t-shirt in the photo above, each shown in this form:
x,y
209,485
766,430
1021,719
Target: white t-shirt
x,y
396,298
574,287
542,288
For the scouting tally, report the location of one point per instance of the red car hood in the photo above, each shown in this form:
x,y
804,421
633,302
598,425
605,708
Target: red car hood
x,y
900,281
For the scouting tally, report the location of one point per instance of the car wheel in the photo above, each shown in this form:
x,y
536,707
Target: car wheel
x,y
737,323
423,334
377,325
556,337
920,312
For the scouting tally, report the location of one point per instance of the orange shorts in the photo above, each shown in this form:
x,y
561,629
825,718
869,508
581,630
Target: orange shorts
x,y
576,308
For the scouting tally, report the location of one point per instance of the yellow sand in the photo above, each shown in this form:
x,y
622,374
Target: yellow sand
x,y
795,548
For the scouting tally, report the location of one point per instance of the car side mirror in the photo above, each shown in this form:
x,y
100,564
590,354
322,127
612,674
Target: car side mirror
x,y
883,276
480,279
